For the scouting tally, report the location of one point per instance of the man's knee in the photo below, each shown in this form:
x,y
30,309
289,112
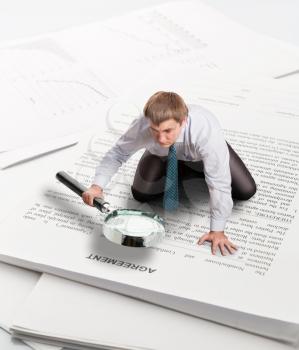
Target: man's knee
x,y
143,197
138,195
245,193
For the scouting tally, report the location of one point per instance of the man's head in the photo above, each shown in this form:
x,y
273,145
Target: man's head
x,y
167,113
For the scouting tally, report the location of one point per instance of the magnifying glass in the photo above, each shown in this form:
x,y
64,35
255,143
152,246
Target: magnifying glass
x,y
128,227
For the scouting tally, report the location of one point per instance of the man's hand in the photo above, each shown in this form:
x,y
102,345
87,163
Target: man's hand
x,y
93,192
218,239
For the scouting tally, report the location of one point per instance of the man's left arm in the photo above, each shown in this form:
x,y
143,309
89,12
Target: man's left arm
x,y
215,155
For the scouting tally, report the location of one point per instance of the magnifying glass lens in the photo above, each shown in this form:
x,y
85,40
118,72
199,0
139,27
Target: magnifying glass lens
x,y
142,229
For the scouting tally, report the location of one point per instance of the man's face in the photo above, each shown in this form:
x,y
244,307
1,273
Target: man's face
x,y
166,132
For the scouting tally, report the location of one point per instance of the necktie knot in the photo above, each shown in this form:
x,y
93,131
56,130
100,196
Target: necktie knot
x,y
172,151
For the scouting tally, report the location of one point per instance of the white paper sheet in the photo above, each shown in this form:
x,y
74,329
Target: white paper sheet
x,y
124,49
80,314
16,285
45,94
27,153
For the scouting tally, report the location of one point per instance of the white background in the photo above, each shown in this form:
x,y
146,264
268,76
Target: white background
x,y
21,18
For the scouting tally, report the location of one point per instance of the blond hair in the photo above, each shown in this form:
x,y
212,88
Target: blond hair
x,y
164,106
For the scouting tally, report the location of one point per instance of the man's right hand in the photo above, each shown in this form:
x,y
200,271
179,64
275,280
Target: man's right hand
x,y
93,192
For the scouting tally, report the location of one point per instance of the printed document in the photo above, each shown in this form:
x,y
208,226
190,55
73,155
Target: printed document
x,y
55,232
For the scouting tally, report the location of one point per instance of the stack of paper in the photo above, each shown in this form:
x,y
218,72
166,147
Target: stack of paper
x,y
263,233
16,285
53,231
82,317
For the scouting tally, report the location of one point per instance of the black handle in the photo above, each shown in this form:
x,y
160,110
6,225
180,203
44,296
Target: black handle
x,y
78,188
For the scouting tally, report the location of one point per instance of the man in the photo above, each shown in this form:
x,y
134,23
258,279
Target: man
x,y
179,140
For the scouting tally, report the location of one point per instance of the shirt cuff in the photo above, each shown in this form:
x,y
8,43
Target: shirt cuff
x,y
101,180
217,224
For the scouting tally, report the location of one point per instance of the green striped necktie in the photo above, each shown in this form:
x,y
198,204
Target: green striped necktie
x,y
171,191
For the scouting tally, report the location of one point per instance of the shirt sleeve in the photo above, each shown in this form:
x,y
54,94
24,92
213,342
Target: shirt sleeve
x,y
215,155
128,144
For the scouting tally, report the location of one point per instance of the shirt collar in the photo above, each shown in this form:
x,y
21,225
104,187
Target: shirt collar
x,y
181,136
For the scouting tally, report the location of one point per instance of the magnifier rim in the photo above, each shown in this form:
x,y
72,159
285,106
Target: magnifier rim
x,y
138,241
149,214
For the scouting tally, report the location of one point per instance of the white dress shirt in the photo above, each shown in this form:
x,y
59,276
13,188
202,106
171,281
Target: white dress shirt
x,y
200,138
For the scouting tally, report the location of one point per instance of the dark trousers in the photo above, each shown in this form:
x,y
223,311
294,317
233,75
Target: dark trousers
x,y
150,175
